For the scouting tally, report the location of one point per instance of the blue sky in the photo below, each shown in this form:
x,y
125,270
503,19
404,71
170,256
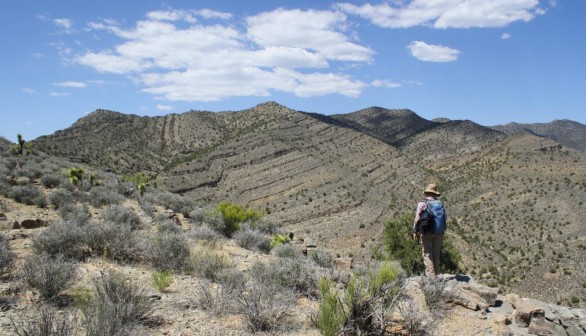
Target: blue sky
x,y
492,62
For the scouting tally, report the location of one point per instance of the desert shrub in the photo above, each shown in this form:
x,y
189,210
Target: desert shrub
x,y
78,213
162,280
262,225
266,307
279,239
46,320
209,264
322,258
216,300
204,232
113,241
295,273
172,201
121,215
48,275
62,238
330,316
168,251
401,247
101,196
116,307
29,195
364,307
234,215
288,251
169,226
7,257
232,279
51,180
253,240
436,295
61,197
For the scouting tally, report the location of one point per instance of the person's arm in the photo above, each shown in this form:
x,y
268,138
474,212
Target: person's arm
x,y
418,210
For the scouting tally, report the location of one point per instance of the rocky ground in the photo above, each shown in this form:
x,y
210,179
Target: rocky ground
x,y
465,307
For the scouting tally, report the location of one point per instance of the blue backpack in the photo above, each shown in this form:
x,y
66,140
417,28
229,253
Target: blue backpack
x,y
432,218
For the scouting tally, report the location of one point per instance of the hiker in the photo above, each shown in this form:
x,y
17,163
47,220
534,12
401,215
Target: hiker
x,y
430,232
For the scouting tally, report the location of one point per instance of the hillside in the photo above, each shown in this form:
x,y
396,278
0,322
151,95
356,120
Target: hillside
x,y
336,179
566,132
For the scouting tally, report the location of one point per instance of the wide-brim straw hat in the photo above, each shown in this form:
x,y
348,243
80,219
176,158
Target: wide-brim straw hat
x,y
432,189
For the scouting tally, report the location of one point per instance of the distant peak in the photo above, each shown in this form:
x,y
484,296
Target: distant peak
x,y
441,120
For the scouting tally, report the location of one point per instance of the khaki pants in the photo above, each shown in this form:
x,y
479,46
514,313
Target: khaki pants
x,y
431,245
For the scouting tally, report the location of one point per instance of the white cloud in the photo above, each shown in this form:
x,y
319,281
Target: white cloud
x,y
447,13
384,83
432,52
71,84
59,94
311,30
164,107
278,51
506,36
212,14
27,90
172,15
65,24
38,55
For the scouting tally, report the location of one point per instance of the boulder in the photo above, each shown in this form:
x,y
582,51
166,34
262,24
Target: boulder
x,y
489,294
3,216
469,299
537,326
343,263
527,311
33,223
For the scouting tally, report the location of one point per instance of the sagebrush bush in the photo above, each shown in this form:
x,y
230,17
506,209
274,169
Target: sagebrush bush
x,y
60,198
113,241
116,307
168,251
121,215
209,264
234,215
52,180
266,306
62,238
295,273
7,257
77,213
216,300
101,196
204,232
46,320
288,251
169,226
322,258
29,195
48,275
253,240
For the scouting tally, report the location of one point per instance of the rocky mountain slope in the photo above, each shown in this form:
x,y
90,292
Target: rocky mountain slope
x,y
567,132
513,200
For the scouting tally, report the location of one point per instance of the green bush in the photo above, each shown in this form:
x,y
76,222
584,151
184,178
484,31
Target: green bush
x,y
399,245
363,307
162,280
234,215
279,239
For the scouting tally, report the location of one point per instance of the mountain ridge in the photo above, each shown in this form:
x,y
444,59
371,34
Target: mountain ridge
x,y
338,179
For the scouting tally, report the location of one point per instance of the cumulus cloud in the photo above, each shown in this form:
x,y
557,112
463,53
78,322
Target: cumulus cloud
x,y
282,50
432,52
71,84
384,83
446,13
